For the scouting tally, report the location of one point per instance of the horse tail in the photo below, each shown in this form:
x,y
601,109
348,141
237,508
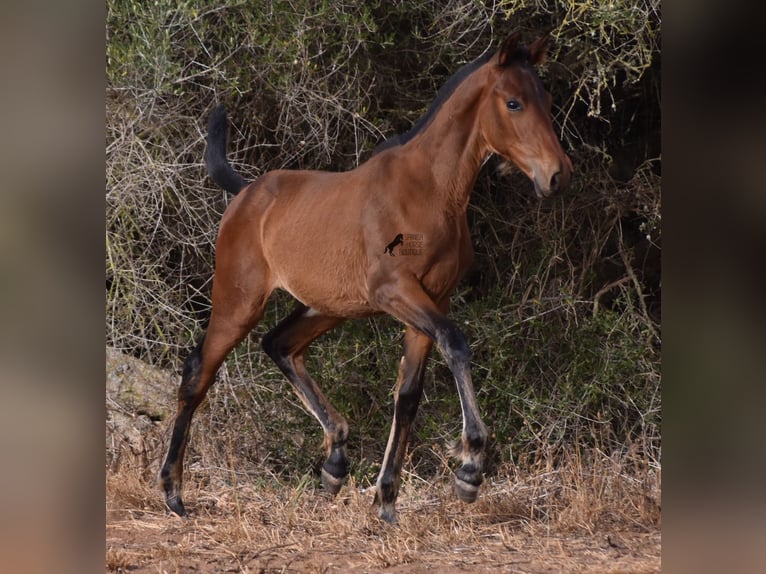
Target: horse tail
x,y
218,167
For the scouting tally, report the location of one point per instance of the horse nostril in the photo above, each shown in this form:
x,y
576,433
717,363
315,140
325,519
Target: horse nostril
x,y
555,181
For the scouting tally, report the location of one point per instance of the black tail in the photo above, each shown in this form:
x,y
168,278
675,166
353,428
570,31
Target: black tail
x,y
218,167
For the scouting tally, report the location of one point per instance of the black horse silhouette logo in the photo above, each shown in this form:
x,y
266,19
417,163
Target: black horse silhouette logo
x,y
398,240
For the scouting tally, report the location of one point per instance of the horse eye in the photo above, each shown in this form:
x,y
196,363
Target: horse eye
x,y
513,105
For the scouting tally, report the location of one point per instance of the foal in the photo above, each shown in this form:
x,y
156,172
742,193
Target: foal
x,y
401,244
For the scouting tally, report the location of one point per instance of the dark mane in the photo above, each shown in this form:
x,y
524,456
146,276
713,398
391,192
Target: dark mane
x,y
441,96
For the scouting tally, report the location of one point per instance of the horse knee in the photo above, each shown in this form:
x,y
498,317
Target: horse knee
x,y
276,349
454,345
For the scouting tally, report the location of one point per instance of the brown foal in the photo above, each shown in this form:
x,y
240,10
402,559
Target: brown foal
x,y
401,245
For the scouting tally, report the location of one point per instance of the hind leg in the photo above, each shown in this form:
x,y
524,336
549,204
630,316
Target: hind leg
x,y
240,291
285,344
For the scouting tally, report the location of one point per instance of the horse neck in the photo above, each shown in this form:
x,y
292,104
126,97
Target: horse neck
x,y
452,145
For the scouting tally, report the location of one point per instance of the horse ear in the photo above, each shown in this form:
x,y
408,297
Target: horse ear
x,y
538,48
508,49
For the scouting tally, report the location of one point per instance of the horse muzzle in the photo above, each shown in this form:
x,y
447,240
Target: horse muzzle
x,y
556,182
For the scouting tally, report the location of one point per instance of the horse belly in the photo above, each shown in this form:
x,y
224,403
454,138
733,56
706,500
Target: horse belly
x,y
325,275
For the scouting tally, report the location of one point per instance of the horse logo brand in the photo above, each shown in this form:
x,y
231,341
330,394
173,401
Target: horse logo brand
x,y
408,243
398,240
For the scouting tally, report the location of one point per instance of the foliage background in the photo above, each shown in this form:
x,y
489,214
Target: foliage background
x,y
563,305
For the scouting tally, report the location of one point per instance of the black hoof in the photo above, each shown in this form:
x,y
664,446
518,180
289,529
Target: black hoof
x,y
466,492
467,483
172,492
386,510
176,505
388,514
334,471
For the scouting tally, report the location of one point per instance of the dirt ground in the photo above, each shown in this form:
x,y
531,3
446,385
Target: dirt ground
x,y
289,531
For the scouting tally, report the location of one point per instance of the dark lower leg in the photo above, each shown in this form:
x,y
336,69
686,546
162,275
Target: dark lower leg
x,y
470,449
405,299
408,394
171,475
285,344
454,348
198,375
190,394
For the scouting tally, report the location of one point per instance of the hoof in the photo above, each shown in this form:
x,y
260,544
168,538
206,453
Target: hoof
x,y
176,505
334,470
465,491
386,510
172,492
467,482
331,484
387,515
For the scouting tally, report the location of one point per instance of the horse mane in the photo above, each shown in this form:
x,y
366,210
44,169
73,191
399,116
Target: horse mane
x,y
442,96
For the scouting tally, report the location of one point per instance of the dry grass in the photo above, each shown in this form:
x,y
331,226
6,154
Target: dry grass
x,y
566,508
586,512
